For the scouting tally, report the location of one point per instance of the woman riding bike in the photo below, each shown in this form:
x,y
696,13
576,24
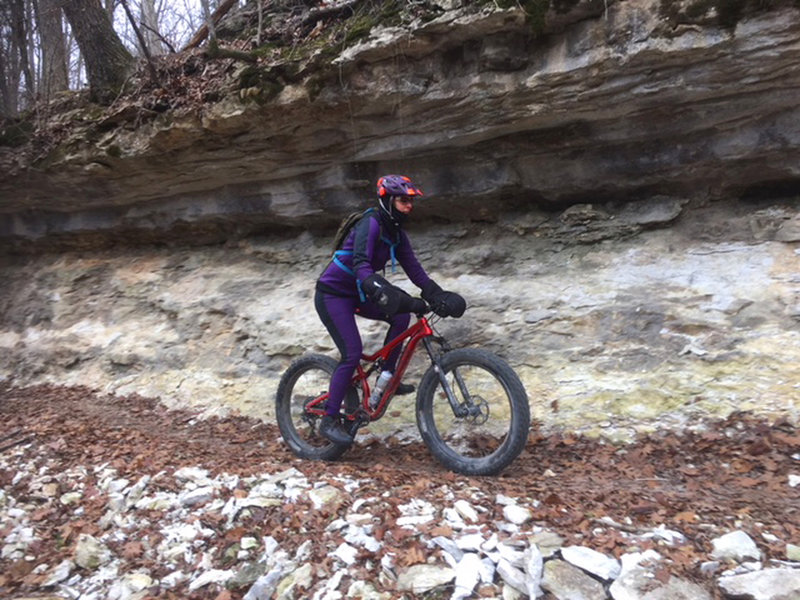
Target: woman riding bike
x,y
350,286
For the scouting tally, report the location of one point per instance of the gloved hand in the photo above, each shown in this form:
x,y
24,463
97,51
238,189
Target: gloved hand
x,y
431,290
385,295
410,304
444,304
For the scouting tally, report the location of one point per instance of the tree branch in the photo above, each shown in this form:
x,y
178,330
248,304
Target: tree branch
x,y
202,32
142,43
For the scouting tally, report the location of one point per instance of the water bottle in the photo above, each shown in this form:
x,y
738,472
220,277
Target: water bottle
x,y
380,385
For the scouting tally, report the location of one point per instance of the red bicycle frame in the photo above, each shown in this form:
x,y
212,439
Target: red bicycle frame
x,y
414,334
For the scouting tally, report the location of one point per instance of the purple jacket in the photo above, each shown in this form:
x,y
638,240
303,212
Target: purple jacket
x,y
366,250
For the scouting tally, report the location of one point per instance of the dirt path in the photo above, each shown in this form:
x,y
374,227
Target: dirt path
x,y
733,476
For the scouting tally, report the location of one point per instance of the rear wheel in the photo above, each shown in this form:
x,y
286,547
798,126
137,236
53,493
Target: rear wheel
x,y
305,380
490,426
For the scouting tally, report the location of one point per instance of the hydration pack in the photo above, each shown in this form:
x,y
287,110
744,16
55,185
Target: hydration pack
x,y
346,225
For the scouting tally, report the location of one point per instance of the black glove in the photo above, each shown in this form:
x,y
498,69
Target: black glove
x,y
431,290
444,304
386,296
410,304
449,304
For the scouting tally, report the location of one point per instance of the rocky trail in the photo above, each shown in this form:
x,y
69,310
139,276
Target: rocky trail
x,y
119,497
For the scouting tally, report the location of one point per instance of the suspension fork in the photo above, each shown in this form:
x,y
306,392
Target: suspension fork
x,y
459,410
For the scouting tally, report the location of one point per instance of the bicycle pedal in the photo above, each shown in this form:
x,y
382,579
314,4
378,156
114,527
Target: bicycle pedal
x,y
360,420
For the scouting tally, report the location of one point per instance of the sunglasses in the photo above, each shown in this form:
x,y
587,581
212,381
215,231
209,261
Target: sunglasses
x,y
405,200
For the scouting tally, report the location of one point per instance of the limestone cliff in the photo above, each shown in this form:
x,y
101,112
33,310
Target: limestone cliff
x,y
487,106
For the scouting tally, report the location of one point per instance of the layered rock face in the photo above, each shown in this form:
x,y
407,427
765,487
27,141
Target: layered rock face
x,y
614,101
616,199
673,314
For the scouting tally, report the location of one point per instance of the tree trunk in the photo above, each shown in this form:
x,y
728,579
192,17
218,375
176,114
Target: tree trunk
x,y
19,26
150,28
108,63
54,49
8,86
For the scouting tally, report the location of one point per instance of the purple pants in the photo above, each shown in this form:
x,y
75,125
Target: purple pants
x,y
338,314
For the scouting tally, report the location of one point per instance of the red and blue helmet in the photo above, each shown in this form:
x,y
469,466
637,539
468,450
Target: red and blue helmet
x,y
390,186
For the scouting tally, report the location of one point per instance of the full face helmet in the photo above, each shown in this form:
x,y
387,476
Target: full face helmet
x,y
395,186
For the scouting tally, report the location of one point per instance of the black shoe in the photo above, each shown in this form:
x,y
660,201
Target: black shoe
x,y
332,429
404,388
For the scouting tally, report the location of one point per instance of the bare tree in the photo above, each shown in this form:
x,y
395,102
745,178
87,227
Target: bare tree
x,y
54,76
150,27
19,32
108,63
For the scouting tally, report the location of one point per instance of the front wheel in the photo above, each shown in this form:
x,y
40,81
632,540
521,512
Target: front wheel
x,y
490,425
305,381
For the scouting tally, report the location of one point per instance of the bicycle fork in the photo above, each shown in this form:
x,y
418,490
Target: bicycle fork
x,y
460,410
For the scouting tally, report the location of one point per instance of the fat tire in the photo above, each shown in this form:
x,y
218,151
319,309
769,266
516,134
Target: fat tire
x,y
519,427
283,409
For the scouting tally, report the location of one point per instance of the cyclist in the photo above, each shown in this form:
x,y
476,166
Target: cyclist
x,y
350,286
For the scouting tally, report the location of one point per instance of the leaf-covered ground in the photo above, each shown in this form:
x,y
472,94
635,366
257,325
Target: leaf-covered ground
x,y
735,475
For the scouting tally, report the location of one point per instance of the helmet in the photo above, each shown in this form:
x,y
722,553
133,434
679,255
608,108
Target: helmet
x,y
397,185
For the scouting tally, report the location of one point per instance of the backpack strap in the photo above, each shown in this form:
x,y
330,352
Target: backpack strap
x,y
392,245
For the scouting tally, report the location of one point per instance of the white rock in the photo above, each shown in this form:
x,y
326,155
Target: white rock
x,y
792,552
212,576
359,537
270,545
346,553
452,517
568,582
296,578
591,561
466,510
736,545
450,548
487,570
360,519
420,579
59,573
515,557
197,496
70,498
325,496
794,480
366,591
193,474
90,553
265,586
640,583
771,584
491,543
327,592
667,535
135,492
534,566
117,485
518,515
468,573
173,579
414,520
512,576
247,542
130,586
470,542
631,560
304,551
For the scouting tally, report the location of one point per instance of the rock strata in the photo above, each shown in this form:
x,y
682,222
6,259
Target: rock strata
x,y
692,312
610,101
